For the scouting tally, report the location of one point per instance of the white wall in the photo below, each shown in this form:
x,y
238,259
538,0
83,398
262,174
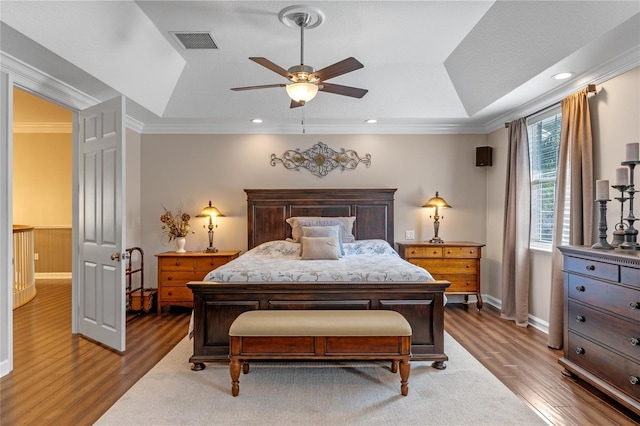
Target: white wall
x,y
189,170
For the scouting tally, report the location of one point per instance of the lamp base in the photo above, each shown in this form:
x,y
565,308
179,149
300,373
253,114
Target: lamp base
x,y
436,240
211,250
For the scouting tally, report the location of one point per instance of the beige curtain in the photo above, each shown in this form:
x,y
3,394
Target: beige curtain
x,y
575,162
517,221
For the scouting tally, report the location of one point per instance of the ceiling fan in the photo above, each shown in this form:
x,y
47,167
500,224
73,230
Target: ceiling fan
x,y
306,82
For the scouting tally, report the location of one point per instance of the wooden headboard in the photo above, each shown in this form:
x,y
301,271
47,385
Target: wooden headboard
x,y
268,209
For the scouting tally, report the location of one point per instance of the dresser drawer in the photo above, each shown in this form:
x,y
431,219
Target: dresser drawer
x,y
461,283
611,297
607,329
462,252
414,252
176,263
630,276
169,293
610,367
179,277
592,268
448,266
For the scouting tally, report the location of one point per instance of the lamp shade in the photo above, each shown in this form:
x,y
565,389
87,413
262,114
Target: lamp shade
x,y
436,201
210,211
302,92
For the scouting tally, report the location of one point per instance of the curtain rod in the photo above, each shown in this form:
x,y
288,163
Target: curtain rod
x,y
591,88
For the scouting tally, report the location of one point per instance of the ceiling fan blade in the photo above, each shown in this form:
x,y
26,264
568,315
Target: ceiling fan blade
x,y
338,89
339,68
273,67
264,86
295,104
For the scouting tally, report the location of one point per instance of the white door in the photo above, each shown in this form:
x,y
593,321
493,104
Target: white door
x,y
99,273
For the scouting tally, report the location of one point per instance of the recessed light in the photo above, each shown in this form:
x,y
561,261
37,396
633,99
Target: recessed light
x,y
371,121
562,75
256,120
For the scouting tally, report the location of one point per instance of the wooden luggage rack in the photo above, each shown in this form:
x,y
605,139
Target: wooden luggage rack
x,y
139,299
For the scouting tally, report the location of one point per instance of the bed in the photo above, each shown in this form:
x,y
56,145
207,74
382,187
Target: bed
x,y
220,298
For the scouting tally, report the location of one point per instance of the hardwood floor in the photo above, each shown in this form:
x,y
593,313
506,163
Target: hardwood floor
x,y
521,359
62,379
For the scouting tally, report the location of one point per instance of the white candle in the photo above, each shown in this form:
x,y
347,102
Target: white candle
x,y
633,151
622,176
602,190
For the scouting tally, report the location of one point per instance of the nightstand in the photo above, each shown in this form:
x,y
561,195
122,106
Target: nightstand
x,y
175,270
455,261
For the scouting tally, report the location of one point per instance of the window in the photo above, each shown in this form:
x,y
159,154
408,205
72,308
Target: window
x,y
544,143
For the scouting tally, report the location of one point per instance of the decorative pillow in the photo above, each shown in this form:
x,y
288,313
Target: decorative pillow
x,y
322,231
317,248
346,226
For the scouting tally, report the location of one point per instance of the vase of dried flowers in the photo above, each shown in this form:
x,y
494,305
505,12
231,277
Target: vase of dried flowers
x,y
176,227
180,243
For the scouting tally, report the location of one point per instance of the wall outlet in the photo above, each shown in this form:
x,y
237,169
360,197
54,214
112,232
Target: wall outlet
x,y
35,256
410,235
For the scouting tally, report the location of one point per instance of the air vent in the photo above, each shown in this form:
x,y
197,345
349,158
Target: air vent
x,y
195,40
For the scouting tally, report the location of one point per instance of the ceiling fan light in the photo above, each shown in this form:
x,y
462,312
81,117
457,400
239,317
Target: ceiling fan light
x,y
302,92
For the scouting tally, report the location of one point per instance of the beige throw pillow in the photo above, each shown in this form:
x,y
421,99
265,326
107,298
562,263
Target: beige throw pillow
x,y
346,226
320,248
322,231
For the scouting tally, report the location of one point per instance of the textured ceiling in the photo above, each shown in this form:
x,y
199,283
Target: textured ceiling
x,y
429,66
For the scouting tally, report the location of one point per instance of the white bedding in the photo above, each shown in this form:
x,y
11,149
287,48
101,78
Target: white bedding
x,y
279,261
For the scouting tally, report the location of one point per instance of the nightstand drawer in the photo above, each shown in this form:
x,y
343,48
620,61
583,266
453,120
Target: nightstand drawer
x,y
179,278
210,263
448,266
176,263
462,252
418,252
176,293
461,283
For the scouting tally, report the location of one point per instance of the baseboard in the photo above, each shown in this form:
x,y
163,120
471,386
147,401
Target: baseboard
x,y
53,275
5,368
533,321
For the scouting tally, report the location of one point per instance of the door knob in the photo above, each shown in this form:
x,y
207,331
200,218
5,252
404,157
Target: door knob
x,y
115,256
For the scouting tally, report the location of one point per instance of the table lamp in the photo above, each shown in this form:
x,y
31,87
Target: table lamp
x,y
211,212
437,202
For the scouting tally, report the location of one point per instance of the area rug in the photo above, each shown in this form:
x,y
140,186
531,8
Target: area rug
x,y
290,393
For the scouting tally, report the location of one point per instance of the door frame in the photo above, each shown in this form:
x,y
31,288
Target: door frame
x,y
15,73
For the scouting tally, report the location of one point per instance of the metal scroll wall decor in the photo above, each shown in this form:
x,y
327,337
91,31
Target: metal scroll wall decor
x,y
320,159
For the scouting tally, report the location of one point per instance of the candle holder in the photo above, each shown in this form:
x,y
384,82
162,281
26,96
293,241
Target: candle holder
x,y
618,233
630,234
602,227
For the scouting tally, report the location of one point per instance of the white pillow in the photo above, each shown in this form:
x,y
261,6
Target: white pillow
x,y
320,248
322,231
346,226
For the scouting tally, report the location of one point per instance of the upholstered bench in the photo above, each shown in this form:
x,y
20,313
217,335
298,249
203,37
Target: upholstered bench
x,y
319,335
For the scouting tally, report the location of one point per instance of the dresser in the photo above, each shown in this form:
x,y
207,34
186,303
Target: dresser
x,y
456,261
175,270
602,320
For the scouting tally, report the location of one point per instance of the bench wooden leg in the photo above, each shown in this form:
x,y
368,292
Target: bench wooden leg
x,y
405,369
234,370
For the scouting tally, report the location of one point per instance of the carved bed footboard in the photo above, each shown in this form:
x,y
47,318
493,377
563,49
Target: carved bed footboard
x,y
216,305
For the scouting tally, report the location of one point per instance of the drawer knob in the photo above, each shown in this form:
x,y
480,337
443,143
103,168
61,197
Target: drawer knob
x,y
634,305
579,350
435,252
633,380
170,293
580,288
634,341
580,318
212,263
177,263
591,267
169,278
448,251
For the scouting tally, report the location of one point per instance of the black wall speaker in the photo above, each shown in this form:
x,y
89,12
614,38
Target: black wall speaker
x,y
484,156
